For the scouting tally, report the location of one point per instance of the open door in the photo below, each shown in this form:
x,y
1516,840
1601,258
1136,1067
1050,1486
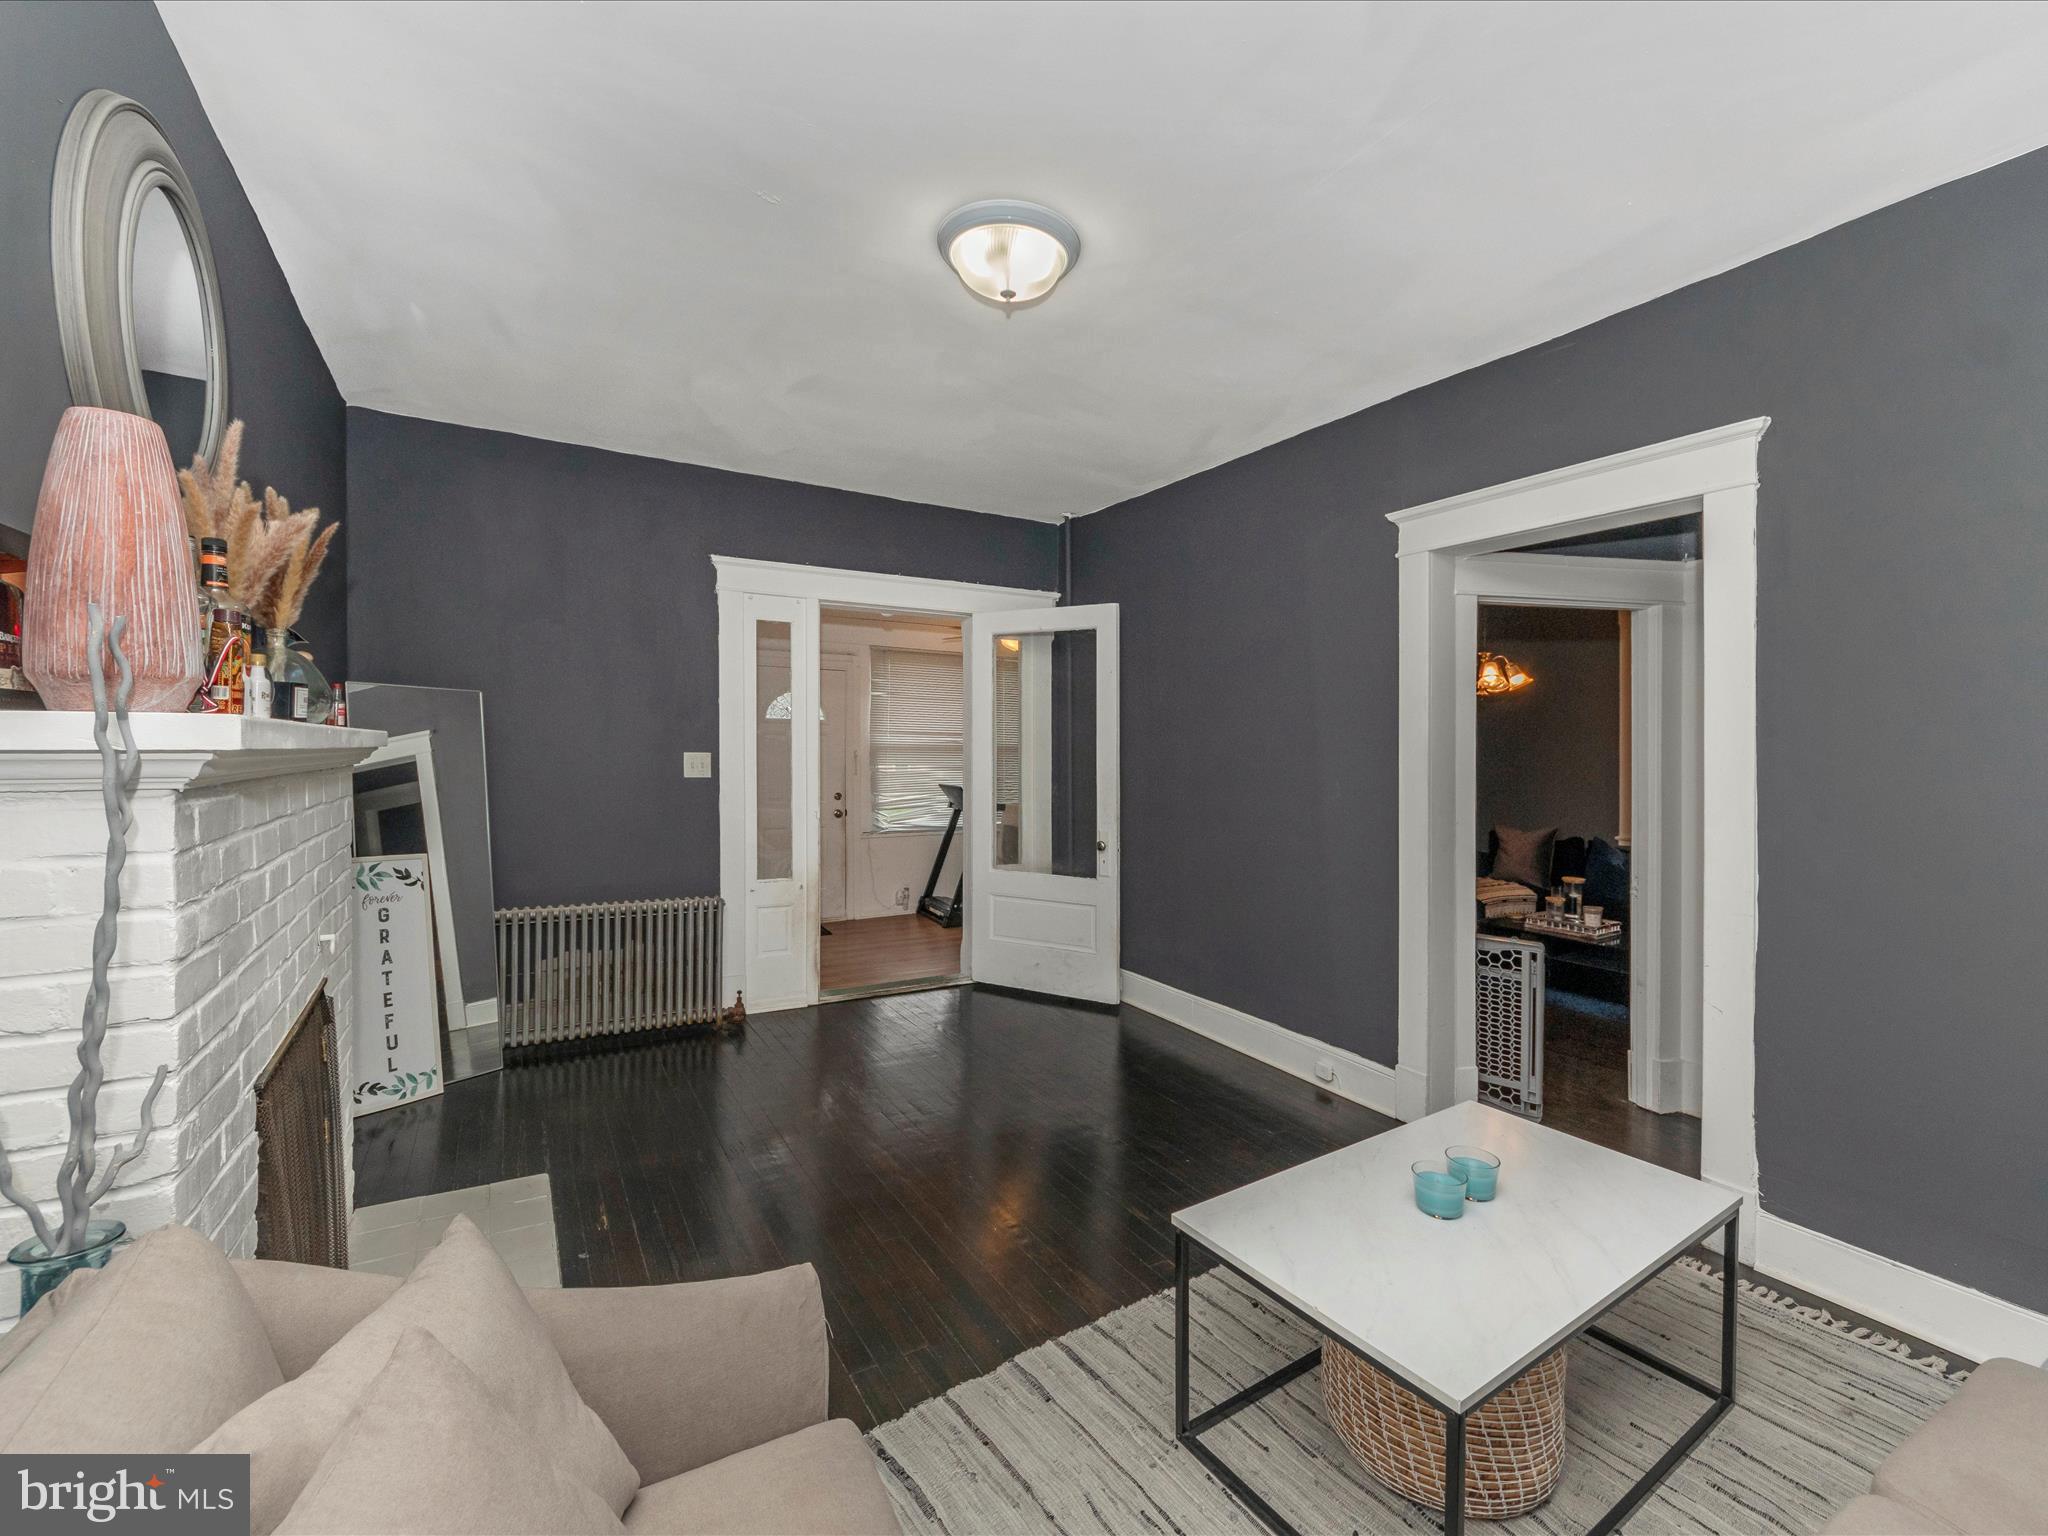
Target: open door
x,y
1042,806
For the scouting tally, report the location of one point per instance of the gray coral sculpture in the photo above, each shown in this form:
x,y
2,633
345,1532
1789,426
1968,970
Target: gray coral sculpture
x,y
77,1191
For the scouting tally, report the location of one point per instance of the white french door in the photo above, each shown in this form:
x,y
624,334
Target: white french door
x,y
1042,807
780,668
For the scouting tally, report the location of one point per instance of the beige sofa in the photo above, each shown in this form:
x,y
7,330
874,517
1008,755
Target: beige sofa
x,y
715,1391
1980,1465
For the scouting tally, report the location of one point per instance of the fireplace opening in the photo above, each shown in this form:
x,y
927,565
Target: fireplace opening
x,y
301,1200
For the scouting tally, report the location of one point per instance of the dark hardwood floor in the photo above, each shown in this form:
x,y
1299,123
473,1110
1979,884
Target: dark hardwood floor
x,y
972,1174
1585,1086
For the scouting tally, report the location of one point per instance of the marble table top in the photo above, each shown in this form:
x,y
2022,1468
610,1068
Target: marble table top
x,y
1456,1308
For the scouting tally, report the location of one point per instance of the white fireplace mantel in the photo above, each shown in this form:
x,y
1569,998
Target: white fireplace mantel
x,y
55,749
236,907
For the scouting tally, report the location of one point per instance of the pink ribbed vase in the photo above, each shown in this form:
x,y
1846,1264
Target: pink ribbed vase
x,y
109,529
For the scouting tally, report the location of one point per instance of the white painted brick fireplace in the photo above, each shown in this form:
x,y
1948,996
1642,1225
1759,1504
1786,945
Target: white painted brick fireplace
x,y
234,909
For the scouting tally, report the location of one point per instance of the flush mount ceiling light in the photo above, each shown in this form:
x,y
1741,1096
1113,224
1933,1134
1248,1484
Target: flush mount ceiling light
x,y
1009,253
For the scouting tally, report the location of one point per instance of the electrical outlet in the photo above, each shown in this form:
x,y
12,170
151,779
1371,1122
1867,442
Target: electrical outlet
x,y
1326,1070
696,765
903,898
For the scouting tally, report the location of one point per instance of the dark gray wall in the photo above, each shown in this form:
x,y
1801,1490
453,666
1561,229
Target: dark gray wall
x,y
1903,540
574,588
455,718
1550,754
50,55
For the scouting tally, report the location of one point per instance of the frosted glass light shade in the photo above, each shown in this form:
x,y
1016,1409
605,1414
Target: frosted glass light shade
x,y
1009,253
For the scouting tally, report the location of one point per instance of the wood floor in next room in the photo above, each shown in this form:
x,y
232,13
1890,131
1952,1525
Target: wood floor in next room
x,y
972,1174
881,951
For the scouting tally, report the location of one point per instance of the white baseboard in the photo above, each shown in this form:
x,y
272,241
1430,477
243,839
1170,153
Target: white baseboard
x,y
1667,1084
1361,1081
1411,1093
1940,1311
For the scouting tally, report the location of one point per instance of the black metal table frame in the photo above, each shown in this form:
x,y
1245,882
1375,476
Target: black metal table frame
x,y
1189,1429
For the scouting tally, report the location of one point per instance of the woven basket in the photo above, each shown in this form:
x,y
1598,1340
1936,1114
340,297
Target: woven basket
x,y
1514,1445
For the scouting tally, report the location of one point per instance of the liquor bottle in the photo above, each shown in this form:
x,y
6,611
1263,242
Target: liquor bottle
x,y
256,699
226,650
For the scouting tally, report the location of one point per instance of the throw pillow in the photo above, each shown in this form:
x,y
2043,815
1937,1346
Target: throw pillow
x,y
1523,856
463,1295
1607,876
148,1356
427,1452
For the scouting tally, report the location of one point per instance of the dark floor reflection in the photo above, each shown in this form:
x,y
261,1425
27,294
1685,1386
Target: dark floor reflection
x,y
971,1174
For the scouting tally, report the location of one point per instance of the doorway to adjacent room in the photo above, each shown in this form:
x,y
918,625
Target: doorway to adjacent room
x,y
1034,899
891,763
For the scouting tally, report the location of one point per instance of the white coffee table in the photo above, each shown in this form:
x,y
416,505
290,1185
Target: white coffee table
x,y
1456,1310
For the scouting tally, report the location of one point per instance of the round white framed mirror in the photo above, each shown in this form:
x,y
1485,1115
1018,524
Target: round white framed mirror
x,y
138,297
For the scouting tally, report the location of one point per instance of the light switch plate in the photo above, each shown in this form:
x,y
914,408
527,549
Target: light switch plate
x,y
696,765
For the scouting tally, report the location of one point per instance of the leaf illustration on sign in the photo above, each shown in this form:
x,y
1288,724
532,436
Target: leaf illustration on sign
x,y
405,1085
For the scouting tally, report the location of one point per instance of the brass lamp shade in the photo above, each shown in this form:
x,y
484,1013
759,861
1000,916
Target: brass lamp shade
x,y
1498,675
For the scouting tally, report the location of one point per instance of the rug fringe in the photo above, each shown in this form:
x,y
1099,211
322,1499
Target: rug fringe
x,y
1884,1344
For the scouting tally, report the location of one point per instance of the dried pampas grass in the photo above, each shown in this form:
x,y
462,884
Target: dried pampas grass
x,y
274,553
209,491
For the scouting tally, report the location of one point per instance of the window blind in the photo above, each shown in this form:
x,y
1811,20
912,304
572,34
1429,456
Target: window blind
x,y
916,713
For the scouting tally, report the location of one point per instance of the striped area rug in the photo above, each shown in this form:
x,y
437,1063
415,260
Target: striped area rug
x,y
1076,1435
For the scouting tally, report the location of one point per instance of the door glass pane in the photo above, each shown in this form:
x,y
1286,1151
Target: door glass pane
x,y
773,857
1044,753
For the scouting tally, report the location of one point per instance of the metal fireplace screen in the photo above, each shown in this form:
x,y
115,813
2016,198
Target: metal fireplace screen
x,y
1509,1011
301,1211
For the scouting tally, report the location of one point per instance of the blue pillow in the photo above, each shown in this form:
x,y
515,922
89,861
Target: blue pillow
x,y
1606,875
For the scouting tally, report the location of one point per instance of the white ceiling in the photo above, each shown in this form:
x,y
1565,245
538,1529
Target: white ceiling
x,y
705,232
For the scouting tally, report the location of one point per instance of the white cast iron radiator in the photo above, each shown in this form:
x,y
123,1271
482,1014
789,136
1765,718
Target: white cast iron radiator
x,y
608,968
1509,1020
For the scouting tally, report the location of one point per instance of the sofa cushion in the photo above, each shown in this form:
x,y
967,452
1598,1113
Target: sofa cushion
x,y
1523,856
821,1481
1872,1514
647,1358
428,1451
1978,1464
306,1308
463,1295
150,1355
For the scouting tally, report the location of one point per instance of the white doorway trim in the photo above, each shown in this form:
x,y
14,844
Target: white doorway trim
x,y
1663,826
1716,473
808,589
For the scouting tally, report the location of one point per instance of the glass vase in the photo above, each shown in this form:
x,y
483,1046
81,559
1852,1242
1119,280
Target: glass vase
x,y
298,689
41,1270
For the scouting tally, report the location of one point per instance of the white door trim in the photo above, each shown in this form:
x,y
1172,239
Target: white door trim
x,y
1663,747
1716,473
417,748
811,588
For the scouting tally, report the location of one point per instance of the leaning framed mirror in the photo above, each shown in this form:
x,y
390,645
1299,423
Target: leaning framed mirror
x,y
138,297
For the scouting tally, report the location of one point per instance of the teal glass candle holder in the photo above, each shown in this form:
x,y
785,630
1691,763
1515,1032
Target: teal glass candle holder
x,y
1479,1168
1439,1191
40,1272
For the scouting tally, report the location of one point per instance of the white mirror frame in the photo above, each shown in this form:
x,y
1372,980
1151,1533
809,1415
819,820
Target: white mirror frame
x,y
112,156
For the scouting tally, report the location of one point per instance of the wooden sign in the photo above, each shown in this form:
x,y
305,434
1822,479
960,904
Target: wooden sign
x,y
398,1033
